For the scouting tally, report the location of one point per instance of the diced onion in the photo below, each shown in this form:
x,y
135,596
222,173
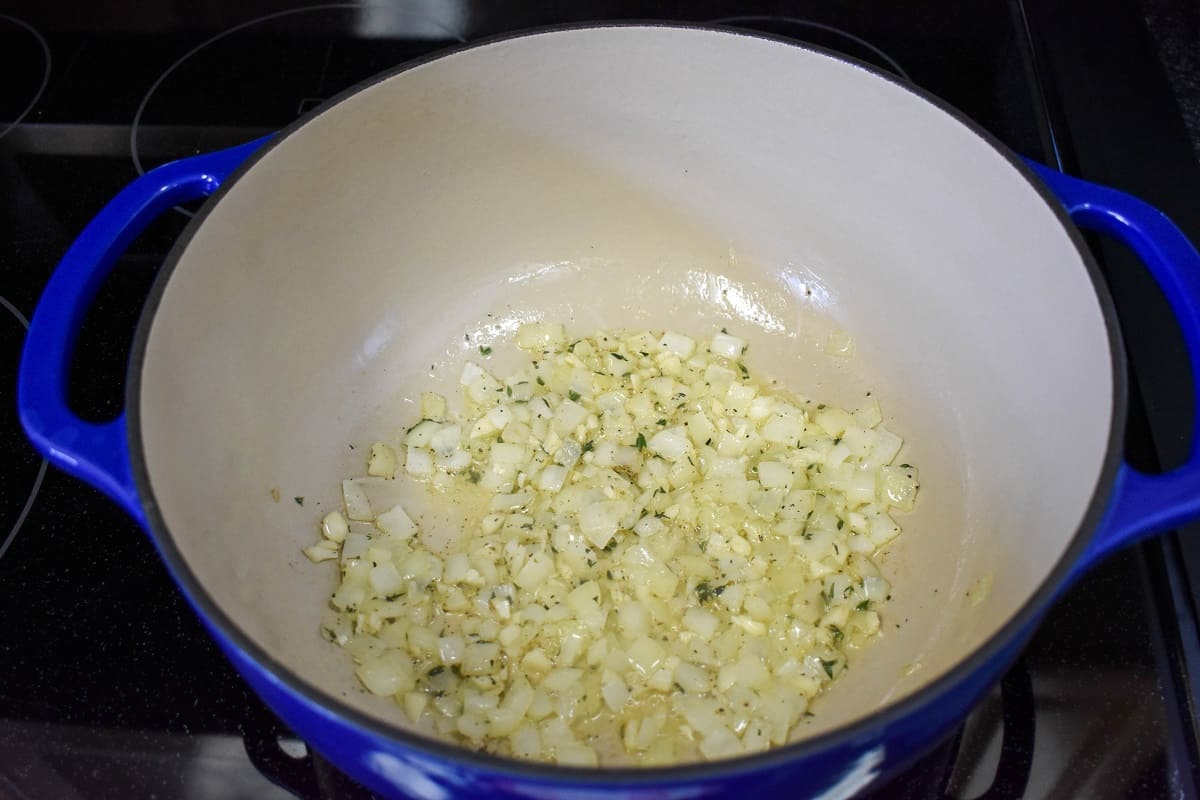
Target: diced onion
x,y
678,344
670,562
728,346
334,527
382,462
322,551
396,522
355,499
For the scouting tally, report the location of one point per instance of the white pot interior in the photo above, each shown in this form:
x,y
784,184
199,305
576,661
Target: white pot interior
x,y
631,177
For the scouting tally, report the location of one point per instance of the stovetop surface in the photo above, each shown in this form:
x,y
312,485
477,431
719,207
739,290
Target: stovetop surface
x,y
109,686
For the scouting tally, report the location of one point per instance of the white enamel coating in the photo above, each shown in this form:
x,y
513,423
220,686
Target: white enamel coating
x,y
631,177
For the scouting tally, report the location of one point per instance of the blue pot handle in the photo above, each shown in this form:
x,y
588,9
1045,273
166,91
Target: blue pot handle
x,y
99,454
1143,504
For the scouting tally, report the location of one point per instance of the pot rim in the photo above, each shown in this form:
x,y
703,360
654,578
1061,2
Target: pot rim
x,y
993,654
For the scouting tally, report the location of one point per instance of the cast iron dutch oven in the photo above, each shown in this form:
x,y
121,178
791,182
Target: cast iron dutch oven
x,y
638,177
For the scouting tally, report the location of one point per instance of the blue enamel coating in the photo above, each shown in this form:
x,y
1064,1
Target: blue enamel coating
x,y
839,770
836,766
99,454
1141,504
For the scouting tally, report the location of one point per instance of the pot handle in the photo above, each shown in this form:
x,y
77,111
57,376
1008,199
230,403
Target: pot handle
x,y
99,453
1141,504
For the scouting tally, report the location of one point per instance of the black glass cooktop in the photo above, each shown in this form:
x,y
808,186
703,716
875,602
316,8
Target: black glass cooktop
x,y
108,685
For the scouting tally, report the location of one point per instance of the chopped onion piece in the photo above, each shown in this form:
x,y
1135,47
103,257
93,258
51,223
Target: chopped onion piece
x,y
355,498
382,462
418,463
356,545
729,346
395,522
599,521
386,674
421,433
541,336
670,444
385,579
323,551
677,343
334,527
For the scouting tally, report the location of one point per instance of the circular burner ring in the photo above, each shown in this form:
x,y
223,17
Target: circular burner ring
x,y
4,302
137,117
41,473
46,62
764,19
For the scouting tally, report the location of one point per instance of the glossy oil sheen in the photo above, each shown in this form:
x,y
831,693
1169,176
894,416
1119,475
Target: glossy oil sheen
x,y
624,177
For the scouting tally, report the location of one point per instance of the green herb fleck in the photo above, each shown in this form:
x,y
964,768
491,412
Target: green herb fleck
x,y
587,446
828,666
745,371
865,605
473,476
540,382
485,350
841,524
661,422
508,390
641,441
612,545
821,407
906,466
837,633
573,395
435,671
705,591
299,500
618,356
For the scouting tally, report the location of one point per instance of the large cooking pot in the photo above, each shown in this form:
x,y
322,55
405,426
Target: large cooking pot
x,y
626,176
